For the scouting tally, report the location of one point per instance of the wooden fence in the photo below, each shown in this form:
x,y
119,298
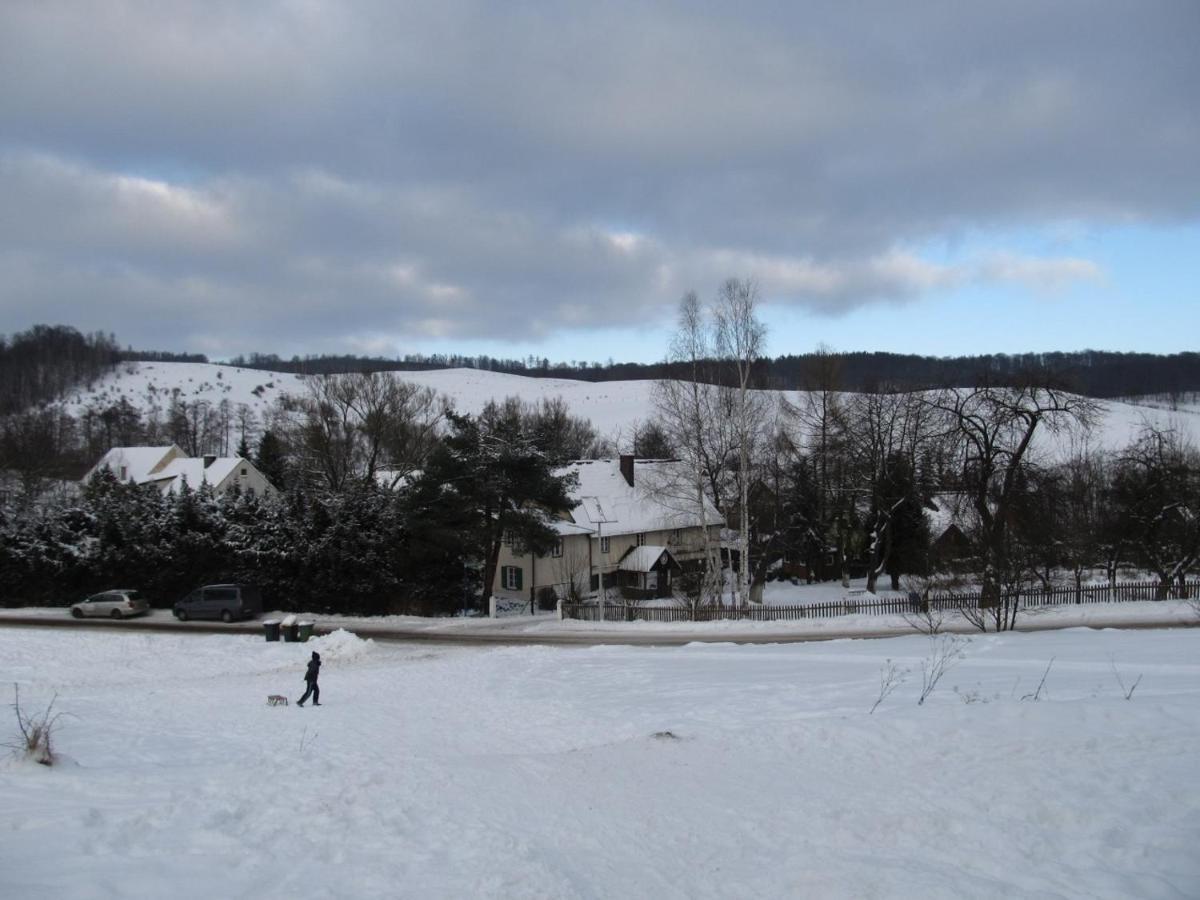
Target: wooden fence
x,y
1126,592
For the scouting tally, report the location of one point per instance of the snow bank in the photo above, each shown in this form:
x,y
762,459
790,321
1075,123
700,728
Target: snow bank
x,y
341,646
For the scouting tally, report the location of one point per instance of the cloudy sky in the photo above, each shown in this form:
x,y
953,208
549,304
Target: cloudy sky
x,y
514,178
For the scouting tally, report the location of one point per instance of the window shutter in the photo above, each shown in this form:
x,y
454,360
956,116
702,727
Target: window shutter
x,y
518,573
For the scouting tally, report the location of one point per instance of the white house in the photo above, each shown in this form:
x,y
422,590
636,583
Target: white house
x,y
169,469
635,528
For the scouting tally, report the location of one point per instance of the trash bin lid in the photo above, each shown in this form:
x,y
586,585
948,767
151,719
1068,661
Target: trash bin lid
x,y
270,621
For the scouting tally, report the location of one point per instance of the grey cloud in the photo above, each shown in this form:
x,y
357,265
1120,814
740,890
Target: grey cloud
x,y
334,171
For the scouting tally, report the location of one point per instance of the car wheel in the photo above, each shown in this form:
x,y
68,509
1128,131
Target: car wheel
x,y
226,616
77,612
181,615
116,614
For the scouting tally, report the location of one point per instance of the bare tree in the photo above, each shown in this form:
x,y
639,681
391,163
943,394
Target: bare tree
x,y
689,411
993,429
1156,490
887,432
360,425
740,339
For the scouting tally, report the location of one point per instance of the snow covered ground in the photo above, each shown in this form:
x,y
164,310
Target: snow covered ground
x,y
546,772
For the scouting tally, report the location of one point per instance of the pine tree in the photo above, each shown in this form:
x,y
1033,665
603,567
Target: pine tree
x,y
495,485
272,461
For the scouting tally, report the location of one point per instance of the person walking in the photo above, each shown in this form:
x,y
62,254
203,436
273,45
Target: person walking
x,y
310,679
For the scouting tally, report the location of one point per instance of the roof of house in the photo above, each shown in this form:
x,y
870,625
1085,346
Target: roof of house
x,y
193,470
139,462
610,505
946,509
642,559
150,465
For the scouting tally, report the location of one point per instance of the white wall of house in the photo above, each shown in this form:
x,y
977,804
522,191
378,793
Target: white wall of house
x,y
247,477
556,572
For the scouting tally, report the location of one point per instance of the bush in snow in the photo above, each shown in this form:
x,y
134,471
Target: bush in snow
x,y
36,731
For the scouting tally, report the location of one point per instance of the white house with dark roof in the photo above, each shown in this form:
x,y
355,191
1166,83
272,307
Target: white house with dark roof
x,y
631,530
170,469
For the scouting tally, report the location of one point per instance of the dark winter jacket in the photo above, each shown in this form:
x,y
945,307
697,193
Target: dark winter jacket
x,y
314,669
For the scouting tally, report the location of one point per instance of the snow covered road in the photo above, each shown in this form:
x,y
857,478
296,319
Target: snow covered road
x,y
546,772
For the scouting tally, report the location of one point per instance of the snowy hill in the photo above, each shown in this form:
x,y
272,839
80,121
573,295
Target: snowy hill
x,y
612,406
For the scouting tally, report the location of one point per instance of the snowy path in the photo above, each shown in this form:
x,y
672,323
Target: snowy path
x,y
435,771
546,629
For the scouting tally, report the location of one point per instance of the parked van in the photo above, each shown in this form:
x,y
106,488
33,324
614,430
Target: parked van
x,y
220,601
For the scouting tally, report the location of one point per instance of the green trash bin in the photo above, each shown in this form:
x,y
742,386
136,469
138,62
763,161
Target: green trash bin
x,y
305,631
291,633
271,627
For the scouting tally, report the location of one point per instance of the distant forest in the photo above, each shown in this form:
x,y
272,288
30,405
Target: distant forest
x,y
43,363
1093,373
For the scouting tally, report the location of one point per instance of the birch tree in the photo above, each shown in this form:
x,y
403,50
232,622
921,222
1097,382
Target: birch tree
x,y
688,409
740,339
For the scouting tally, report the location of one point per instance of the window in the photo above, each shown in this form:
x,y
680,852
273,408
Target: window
x,y
603,545
510,577
243,471
557,551
124,472
641,538
677,536
508,539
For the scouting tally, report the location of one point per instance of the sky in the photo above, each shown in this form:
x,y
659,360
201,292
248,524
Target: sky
x,y
550,179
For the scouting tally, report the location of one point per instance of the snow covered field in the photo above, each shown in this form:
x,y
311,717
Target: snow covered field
x,y
537,772
613,407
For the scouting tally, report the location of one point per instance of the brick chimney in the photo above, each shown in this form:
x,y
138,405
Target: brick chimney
x,y
627,467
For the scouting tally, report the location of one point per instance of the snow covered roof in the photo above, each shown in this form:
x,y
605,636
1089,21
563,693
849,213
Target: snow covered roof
x,y
947,509
565,527
610,505
641,559
167,467
193,470
134,463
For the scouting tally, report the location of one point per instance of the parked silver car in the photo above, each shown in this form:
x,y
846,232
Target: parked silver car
x,y
114,604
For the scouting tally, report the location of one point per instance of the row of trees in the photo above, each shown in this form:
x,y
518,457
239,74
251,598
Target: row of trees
x,y
842,482
42,363
428,545
1093,373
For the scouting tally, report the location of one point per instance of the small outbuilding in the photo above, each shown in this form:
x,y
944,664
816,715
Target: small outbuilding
x,y
647,571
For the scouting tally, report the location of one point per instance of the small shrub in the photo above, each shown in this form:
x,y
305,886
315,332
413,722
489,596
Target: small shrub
x,y
37,730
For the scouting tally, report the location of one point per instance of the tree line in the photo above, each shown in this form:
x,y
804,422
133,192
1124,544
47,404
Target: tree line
x,y
45,362
835,483
1093,373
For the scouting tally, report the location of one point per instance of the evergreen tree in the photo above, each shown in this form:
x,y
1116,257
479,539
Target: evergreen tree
x,y
272,460
496,486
